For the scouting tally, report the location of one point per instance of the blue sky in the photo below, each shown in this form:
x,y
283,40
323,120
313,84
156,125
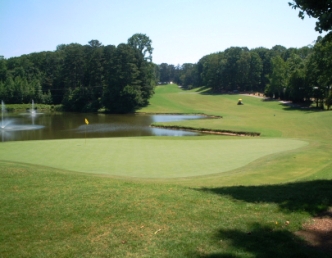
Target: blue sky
x,y
182,31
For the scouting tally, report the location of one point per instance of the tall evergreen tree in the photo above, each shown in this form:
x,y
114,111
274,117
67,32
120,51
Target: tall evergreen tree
x,y
278,78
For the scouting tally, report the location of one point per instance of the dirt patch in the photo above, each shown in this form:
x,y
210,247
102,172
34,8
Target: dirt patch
x,y
318,232
207,131
256,95
193,114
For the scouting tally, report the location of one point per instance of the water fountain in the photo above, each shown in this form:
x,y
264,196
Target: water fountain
x,y
10,125
32,110
25,126
3,110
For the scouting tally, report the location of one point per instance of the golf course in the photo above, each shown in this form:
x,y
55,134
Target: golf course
x,y
213,195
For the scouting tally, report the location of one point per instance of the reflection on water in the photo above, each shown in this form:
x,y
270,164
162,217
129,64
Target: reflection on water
x,y
71,125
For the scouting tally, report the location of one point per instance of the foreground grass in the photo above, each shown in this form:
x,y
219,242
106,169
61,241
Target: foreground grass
x,y
53,213
251,210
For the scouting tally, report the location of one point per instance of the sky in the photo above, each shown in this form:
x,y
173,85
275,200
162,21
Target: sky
x,y
182,31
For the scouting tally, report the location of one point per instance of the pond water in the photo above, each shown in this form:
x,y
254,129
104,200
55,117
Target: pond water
x,y
43,126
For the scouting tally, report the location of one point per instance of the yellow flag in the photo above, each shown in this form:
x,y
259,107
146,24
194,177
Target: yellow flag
x,y
86,121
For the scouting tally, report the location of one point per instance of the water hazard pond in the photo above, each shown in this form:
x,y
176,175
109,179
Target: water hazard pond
x,y
44,126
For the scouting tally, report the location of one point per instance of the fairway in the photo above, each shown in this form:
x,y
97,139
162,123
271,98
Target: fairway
x,y
146,157
193,196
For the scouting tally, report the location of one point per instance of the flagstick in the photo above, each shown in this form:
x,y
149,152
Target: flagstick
x,y
86,124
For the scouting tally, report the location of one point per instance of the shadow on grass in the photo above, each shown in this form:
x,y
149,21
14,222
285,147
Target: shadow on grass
x,y
299,107
261,241
207,91
312,197
290,106
204,89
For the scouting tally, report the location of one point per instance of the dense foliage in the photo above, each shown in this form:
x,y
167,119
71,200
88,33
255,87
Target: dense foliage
x,y
121,79
296,74
83,77
322,10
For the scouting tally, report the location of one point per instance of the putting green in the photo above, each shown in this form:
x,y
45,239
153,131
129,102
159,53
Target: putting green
x,y
146,157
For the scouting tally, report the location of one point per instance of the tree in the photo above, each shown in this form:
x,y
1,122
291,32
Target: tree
x,y
73,66
297,87
77,100
2,89
187,76
143,44
279,50
3,70
319,69
173,73
322,10
199,71
328,101
9,90
265,55
322,58
51,79
94,74
83,77
243,70
123,93
164,72
278,78
156,73
95,43
256,69
213,71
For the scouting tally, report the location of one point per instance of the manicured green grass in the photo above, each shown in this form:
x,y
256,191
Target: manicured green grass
x,y
149,158
208,196
271,118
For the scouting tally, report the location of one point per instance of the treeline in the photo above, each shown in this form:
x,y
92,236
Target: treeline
x,y
237,68
83,77
296,74
121,78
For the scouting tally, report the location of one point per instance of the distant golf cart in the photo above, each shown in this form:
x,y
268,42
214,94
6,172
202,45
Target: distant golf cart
x,y
240,102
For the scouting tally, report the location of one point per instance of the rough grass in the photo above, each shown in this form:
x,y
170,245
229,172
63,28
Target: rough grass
x,y
249,211
53,213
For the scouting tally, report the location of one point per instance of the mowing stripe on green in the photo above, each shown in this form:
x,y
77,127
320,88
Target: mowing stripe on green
x,y
145,157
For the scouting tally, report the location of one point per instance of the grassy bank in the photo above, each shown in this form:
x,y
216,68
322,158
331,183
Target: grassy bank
x,y
18,107
208,196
